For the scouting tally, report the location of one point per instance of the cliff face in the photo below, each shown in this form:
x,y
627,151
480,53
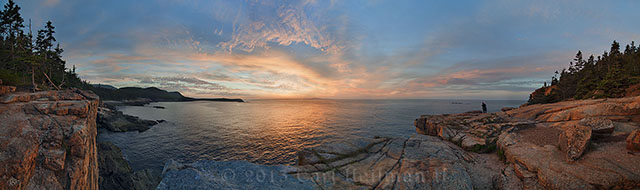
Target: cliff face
x,y
48,140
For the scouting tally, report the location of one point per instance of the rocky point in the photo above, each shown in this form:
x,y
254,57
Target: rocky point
x,y
566,145
116,121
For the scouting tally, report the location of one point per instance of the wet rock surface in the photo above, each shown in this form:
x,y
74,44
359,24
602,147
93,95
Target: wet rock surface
x,y
115,172
47,140
229,175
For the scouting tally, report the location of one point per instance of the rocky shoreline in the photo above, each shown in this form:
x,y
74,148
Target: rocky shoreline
x,y
115,172
48,140
586,144
116,121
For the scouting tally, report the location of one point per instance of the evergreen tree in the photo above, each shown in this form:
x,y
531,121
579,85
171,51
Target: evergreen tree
x,y
606,76
24,59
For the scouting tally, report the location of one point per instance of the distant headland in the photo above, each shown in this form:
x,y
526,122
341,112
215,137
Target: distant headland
x,y
146,95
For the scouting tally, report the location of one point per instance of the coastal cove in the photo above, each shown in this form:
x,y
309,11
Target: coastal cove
x,y
319,95
545,146
269,131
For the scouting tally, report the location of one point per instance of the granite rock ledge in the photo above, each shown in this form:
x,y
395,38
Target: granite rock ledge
x,y
585,144
416,162
48,140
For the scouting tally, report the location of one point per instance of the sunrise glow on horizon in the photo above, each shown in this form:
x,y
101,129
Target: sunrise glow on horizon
x,y
332,49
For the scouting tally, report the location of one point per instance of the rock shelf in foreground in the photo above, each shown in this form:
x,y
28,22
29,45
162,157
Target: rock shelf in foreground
x,y
565,145
416,162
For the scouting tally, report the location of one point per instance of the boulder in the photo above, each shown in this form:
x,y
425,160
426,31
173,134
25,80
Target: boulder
x,y
598,125
48,140
633,141
573,141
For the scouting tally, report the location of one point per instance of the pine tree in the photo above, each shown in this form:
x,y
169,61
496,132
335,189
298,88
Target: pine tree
x,y
22,57
608,75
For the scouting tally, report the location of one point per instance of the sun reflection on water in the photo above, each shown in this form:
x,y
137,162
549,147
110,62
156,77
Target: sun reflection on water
x,y
267,131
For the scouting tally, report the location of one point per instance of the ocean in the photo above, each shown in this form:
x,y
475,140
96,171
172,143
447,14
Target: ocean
x,y
270,131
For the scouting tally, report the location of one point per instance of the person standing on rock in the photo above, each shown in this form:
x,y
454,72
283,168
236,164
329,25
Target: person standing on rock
x,y
484,108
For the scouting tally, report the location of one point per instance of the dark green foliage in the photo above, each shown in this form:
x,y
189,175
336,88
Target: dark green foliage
x,y
9,77
607,76
26,62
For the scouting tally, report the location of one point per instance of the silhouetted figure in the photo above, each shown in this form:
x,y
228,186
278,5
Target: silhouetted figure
x,y
484,108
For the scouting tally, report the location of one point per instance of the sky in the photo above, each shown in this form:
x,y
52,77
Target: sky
x,y
377,49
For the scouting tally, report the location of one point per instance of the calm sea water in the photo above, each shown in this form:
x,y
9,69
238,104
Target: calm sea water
x,y
269,131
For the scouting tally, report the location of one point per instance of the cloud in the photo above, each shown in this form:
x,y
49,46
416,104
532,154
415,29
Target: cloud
x,y
342,49
188,85
520,74
281,22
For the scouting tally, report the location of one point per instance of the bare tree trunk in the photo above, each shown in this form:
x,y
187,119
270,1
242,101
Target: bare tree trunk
x,y
33,79
51,82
